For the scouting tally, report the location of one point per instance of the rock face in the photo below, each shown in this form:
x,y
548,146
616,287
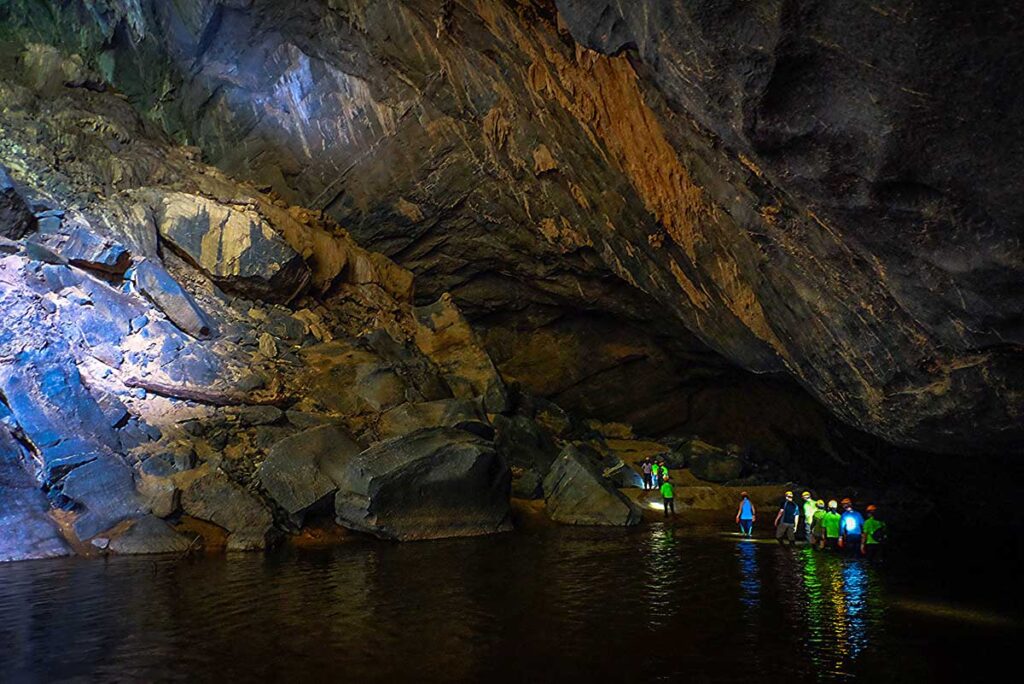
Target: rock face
x,y
748,174
576,493
428,485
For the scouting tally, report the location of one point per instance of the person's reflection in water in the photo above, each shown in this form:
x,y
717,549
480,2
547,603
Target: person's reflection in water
x,y
664,572
843,610
750,583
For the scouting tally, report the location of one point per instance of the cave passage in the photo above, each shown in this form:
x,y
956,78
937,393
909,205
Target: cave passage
x,y
459,340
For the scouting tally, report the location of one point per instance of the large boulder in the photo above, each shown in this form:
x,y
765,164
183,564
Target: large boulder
x,y
216,498
298,470
434,483
464,414
234,245
576,493
16,218
715,465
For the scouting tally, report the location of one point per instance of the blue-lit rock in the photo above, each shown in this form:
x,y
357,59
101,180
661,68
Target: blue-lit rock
x,y
170,297
26,529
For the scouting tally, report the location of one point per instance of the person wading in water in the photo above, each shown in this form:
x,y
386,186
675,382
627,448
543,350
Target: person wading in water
x,y
786,520
746,515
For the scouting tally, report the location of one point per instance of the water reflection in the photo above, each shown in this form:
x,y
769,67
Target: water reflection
x,y
750,583
842,608
663,566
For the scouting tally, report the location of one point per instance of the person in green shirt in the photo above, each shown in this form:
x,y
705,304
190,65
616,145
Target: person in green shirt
x,y
817,532
807,508
830,524
874,534
668,495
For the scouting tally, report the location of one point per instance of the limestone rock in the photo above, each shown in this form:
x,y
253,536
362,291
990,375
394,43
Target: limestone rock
x,y
444,335
299,470
431,484
715,465
104,494
149,535
576,493
26,529
84,248
170,297
236,247
216,498
463,414
16,218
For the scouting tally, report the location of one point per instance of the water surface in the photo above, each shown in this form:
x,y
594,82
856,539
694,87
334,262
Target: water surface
x,y
655,604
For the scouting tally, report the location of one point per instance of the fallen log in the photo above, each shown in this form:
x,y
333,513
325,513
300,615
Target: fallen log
x,y
207,396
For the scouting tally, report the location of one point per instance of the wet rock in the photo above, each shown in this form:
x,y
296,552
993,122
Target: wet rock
x,y
235,246
149,535
576,493
299,470
463,414
170,297
216,498
432,484
26,529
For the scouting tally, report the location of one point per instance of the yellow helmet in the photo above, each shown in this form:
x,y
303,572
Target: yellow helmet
x,y
789,493
806,495
820,503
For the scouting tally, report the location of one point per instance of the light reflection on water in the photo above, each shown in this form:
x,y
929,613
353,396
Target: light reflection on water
x,y
661,603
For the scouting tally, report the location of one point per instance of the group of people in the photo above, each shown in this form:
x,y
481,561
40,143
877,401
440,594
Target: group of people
x,y
655,476
824,527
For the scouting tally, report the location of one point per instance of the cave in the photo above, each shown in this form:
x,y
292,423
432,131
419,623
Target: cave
x,y
423,297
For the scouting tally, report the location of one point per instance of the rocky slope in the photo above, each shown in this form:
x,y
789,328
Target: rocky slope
x,y
173,342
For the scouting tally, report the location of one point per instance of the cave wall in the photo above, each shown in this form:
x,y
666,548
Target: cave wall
x,y
772,182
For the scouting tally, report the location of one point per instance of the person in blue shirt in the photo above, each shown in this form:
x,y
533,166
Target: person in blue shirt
x,y
786,521
746,515
851,526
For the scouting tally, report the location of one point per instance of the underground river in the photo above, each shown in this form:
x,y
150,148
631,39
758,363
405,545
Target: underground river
x,y
653,604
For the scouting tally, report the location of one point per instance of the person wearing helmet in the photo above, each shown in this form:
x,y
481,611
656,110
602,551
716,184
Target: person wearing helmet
x,y
874,534
817,532
851,527
807,509
668,497
786,520
746,515
830,523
